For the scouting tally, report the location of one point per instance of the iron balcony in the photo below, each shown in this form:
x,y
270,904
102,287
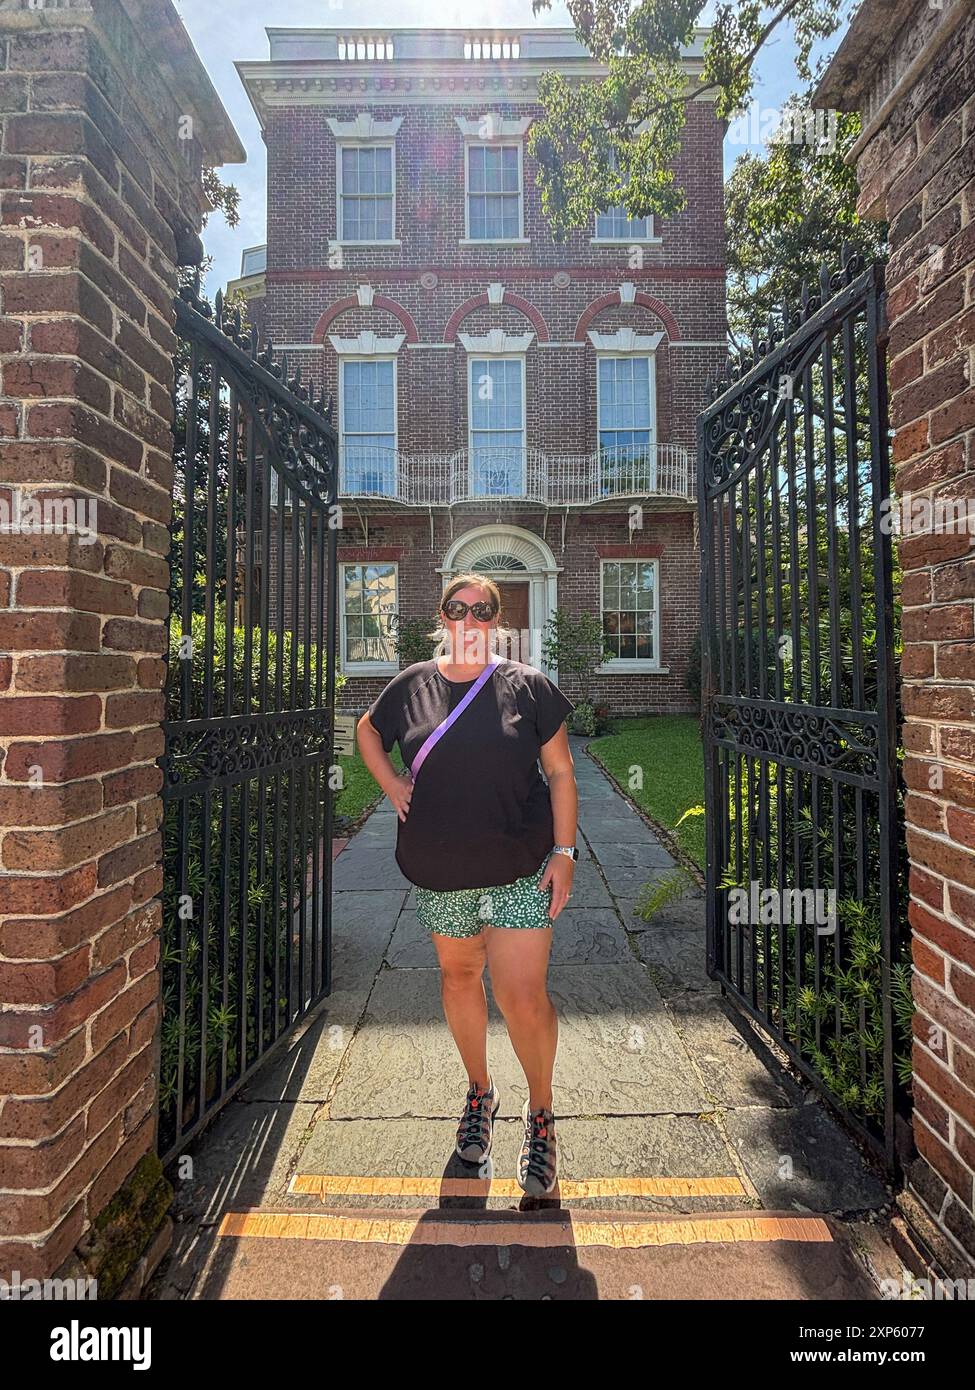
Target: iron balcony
x,y
392,479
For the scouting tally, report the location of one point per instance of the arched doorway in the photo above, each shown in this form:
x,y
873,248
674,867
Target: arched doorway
x,y
524,569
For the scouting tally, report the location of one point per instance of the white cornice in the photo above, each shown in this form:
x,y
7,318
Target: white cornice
x,y
367,344
625,340
335,84
364,126
495,341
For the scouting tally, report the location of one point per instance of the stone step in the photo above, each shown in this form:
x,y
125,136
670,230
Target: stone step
x,y
547,1253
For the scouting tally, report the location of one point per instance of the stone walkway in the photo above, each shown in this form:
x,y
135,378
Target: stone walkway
x,y
691,1163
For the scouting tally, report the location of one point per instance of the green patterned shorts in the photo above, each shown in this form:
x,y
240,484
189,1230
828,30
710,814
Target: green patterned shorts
x,y
466,911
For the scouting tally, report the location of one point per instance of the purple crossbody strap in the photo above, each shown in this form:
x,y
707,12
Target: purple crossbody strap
x,y
438,733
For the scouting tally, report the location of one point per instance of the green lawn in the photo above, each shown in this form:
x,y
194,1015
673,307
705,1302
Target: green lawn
x,y
360,790
667,747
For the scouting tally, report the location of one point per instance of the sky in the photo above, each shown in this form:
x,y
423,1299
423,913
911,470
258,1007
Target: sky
x,y
226,31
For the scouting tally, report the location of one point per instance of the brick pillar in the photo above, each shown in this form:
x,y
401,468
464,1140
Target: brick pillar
x,y
108,117
910,70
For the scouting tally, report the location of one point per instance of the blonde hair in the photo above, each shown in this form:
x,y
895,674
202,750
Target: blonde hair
x,y
462,581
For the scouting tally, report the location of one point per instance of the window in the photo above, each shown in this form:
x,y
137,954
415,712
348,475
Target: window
x,y
630,609
368,426
369,606
497,426
615,225
626,413
494,192
253,260
365,192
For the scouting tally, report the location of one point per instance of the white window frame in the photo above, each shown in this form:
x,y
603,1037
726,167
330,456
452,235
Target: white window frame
x,y
475,356
347,144
363,668
635,665
650,239
370,357
651,359
497,142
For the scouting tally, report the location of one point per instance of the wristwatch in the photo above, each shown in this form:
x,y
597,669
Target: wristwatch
x,y
570,850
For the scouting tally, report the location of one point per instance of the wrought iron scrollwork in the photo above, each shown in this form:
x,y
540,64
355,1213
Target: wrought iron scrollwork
x,y
240,747
816,740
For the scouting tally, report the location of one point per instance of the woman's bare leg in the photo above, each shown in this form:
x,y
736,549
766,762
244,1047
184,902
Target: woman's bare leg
x,y
462,961
518,962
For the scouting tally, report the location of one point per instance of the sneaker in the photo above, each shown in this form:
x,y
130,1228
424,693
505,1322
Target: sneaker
x,y
476,1128
537,1161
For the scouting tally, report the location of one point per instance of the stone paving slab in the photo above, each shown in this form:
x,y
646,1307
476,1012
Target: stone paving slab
x,y
738,1070
801,1158
303,1069
372,868
618,1050
613,854
676,961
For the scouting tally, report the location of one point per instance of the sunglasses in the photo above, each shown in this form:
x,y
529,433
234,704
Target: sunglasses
x,y
455,609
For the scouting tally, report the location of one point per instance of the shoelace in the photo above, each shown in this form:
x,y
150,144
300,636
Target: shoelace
x,y
472,1121
538,1144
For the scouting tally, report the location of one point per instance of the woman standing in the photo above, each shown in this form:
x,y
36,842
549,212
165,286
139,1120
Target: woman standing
x,y
490,848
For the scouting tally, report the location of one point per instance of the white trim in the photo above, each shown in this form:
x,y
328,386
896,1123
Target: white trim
x,y
346,144
500,128
477,141
638,666
367,344
496,343
363,668
495,292
542,575
363,127
625,342
635,664
510,355
626,241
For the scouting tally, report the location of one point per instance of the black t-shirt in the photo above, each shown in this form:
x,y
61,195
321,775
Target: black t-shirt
x,y
480,815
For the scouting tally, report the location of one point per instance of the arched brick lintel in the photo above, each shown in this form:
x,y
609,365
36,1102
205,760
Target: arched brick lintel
x,y
381,301
514,301
608,301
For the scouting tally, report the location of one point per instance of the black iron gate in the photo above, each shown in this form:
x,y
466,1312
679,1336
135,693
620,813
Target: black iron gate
x,y
805,910
250,699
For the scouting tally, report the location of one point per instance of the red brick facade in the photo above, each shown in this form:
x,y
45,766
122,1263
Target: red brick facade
x,y
435,285
909,69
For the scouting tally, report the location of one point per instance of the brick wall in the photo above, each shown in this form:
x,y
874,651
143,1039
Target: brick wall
x,y
916,168
101,199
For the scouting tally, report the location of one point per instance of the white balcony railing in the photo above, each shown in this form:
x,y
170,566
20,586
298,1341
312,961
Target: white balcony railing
x,y
516,475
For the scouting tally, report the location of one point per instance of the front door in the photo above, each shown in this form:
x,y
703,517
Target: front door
x,y
514,615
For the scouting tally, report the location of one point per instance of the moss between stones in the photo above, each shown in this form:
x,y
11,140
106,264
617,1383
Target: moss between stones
x,y
124,1229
